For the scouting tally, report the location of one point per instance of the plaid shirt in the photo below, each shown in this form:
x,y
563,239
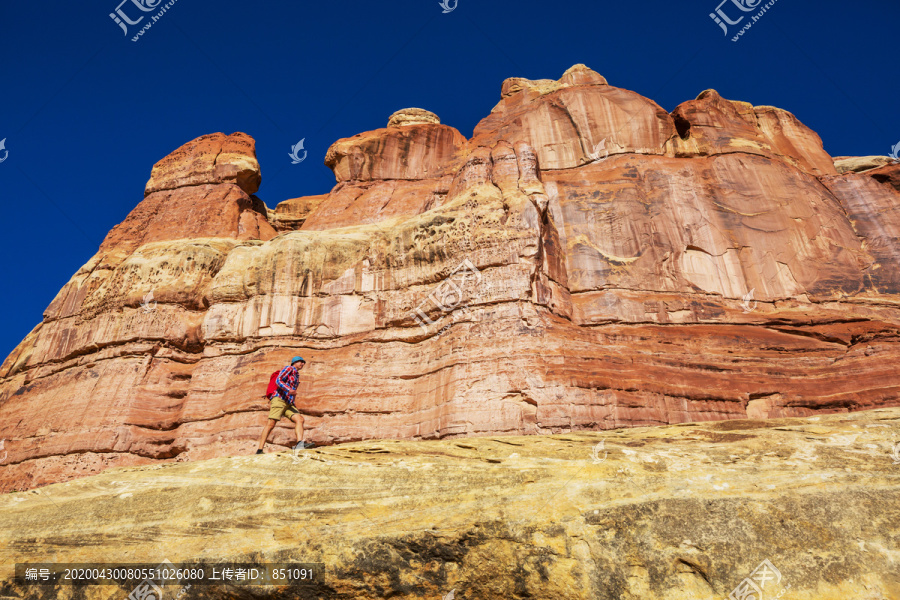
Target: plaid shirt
x,y
287,383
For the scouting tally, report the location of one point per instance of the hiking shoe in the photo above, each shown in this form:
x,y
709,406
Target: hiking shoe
x,y
304,445
260,452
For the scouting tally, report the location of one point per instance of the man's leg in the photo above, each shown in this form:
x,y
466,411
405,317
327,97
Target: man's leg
x,y
297,418
265,434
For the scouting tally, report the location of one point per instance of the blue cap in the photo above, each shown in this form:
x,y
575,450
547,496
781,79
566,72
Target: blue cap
x,y
297,359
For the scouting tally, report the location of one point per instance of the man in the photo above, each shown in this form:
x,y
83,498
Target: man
x,y
281,403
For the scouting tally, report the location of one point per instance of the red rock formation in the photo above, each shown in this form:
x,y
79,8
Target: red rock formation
x,y
410,152
713,125
571,124
870,201
292,214
585,261
210,159
888,174
401,171
203,189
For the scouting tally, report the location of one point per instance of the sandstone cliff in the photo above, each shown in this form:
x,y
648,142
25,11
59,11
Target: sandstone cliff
x,y
683,512
585,261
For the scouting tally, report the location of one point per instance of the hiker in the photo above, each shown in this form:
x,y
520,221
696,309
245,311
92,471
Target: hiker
x,y
281,393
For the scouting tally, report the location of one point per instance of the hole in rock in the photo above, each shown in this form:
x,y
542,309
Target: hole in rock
x,y
682,126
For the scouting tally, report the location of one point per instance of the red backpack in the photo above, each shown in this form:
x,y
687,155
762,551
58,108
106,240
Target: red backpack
x,y
273,386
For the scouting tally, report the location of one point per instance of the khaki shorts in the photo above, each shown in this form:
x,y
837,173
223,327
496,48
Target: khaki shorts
x,y
279,408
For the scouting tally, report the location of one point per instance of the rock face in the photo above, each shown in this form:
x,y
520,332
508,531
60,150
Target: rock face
x,y
290,215
401,171
888,174
413,116
568,125
585,261
667,513
711,125
202,190
210,159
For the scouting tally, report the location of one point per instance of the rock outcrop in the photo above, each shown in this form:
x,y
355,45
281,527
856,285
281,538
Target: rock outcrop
x,y
585,261
668,513
202,190
290,215
711,125
413,116
401,171
858,164
210,159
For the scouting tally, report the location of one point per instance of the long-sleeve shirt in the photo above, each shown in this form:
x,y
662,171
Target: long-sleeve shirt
x,y
287,382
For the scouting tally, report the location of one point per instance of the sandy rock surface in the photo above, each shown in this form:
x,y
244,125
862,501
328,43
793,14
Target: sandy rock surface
x,y
678,512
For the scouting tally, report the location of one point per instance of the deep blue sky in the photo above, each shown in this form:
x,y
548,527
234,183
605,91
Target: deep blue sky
x,y
86,112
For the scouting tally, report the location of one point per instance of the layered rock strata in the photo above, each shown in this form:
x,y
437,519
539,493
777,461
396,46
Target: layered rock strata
x,y
585,261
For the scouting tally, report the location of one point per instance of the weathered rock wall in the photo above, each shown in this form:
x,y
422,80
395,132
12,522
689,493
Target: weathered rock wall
x,y
585,261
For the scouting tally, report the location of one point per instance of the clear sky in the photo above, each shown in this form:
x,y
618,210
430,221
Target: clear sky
x,y
86,112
